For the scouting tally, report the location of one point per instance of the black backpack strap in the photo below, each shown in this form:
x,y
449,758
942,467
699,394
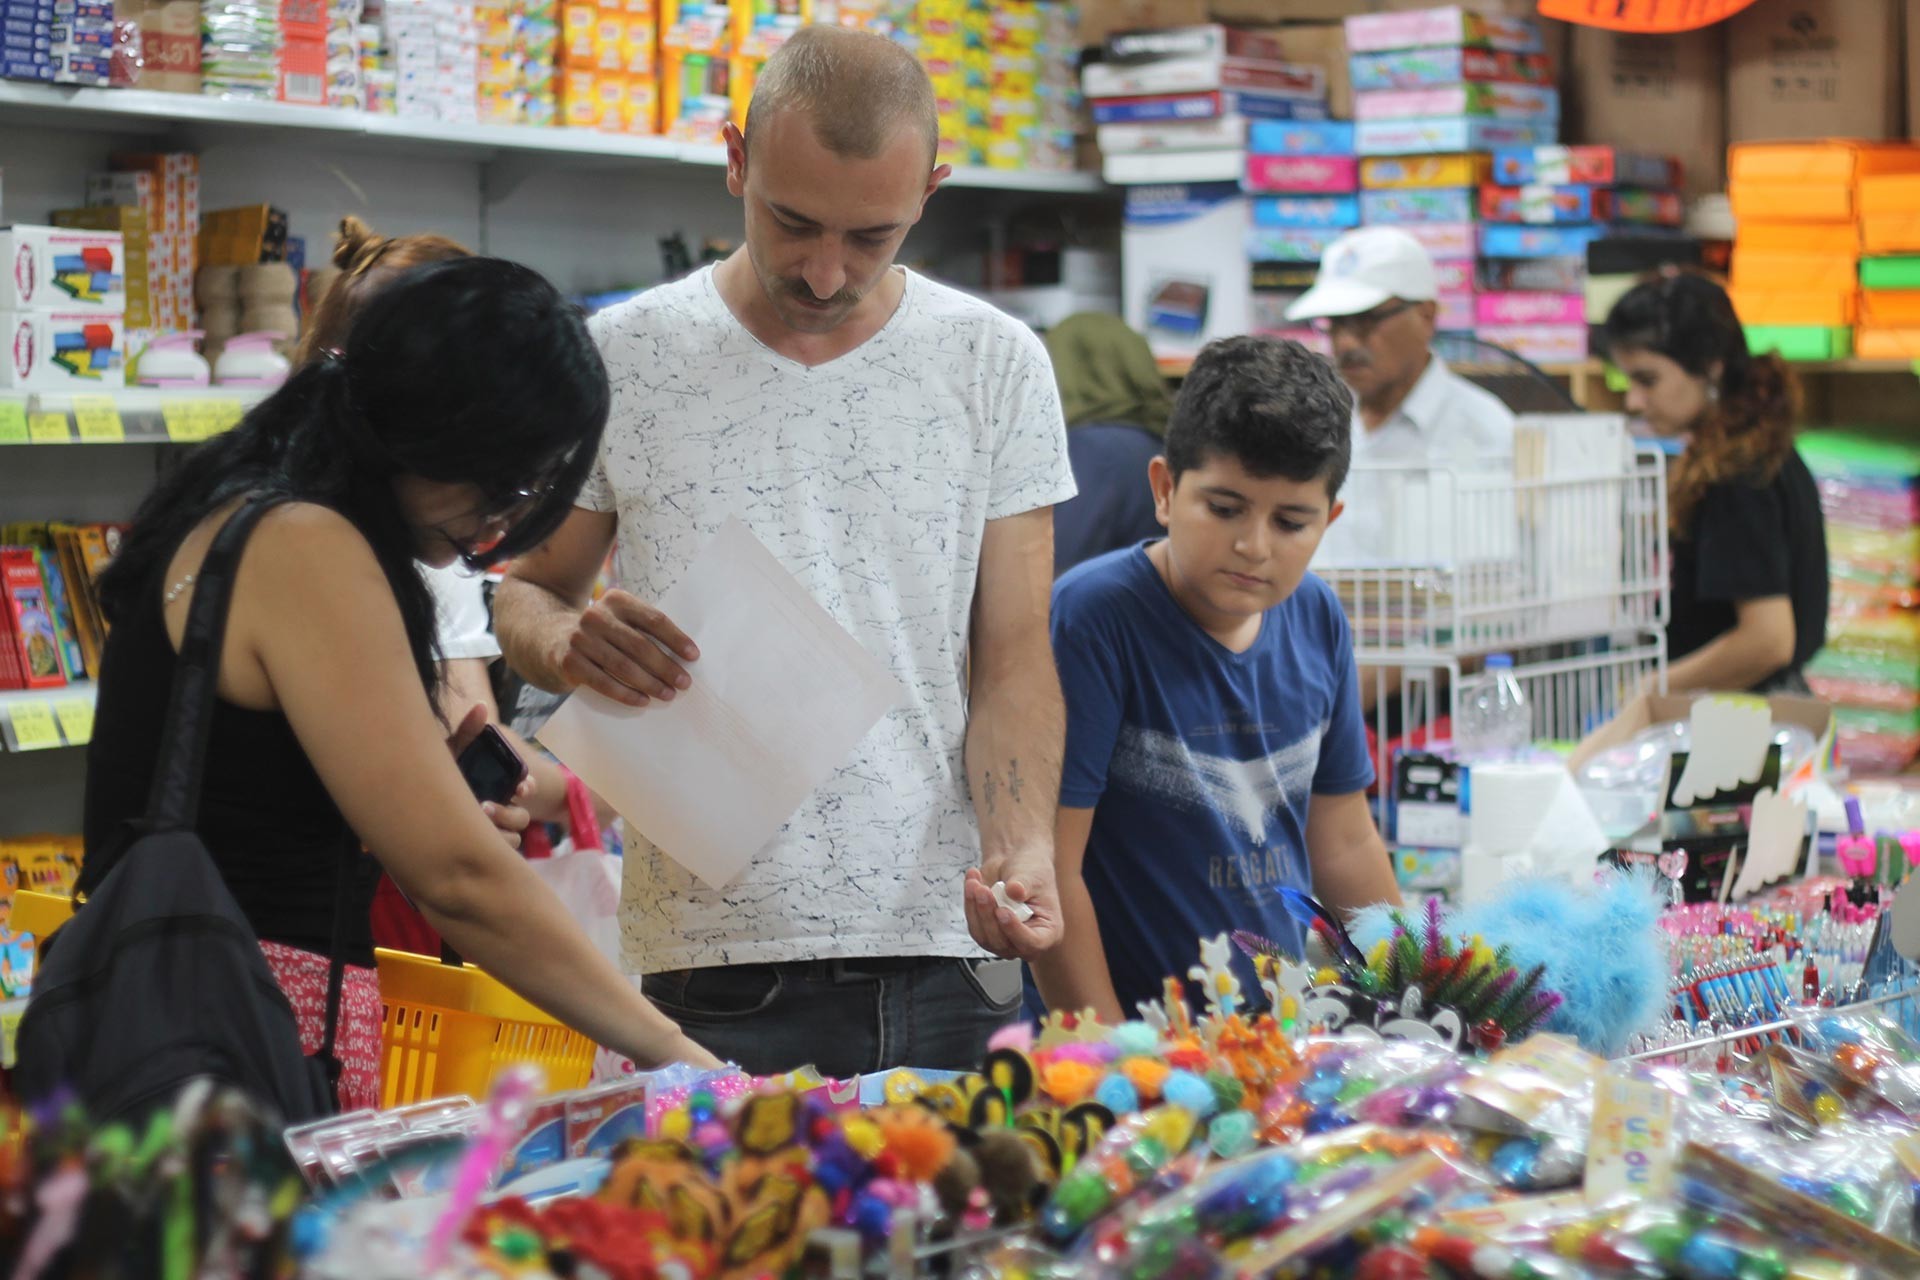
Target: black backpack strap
x,y
173,803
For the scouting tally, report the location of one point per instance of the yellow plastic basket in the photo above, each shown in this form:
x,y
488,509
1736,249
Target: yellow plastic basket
x,y
444,1030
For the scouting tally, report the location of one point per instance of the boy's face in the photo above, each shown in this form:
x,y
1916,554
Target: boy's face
x,y
1237,543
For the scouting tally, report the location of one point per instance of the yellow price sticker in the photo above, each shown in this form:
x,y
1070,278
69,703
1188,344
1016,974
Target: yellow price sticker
x,y
98,419
13,423
76,720
48,428
34,726
223,415
186,420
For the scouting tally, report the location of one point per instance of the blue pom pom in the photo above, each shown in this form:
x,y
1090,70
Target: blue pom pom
x,y
1185,1089
1117,1094
872,1217
1134,1039
1231,1135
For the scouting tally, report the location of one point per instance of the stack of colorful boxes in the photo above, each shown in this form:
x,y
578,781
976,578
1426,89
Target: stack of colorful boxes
x,y
518,43
1175,105
1796,257
1550,205
62,309
1890,268
1305,181
26,39
1435,91
240,49
1870,666
609,72
302,58
696,46
759,28
346,85
81,42
1060,111
166,189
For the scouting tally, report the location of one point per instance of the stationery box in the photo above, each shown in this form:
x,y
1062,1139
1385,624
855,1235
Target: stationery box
x,y
1531,309
1792,306
1540,343
1281,244
1204,106
1811,201
1390,173
1197,59
1290,138
62,351
1396,208
54,268
1447,135
1551,205
1590,166
1879,344
1818,162
1891,233
1509,241
1311,175
1455,277
1758,270
1501,101
1437,68
1446,25
1445,240
1887,194
1536,275
1183,265
1161,167
1310,212
1801,342
1223,133
1890,309
1834,240
1888,273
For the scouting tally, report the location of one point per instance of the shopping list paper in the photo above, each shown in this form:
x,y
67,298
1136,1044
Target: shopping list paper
x,y
781,695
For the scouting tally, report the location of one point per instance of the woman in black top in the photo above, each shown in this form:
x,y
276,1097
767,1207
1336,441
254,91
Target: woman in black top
x,y
459,424
1749,604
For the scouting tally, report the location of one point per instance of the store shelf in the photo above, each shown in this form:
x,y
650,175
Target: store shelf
x,y
42,719
138,415
160,112
1597,368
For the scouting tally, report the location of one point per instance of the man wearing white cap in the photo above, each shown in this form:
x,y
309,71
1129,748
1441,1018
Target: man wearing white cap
x,y
1376,297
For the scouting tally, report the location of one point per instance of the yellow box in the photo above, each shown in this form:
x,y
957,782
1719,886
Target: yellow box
x,y
639,43
1400,173
640,113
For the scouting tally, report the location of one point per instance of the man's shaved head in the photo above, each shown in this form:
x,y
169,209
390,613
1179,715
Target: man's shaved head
x,y
857,89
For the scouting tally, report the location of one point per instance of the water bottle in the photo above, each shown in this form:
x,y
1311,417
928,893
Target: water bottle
x,y
1494,722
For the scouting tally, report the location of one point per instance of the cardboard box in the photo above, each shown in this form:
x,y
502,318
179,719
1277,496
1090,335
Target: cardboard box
x,y
169,43
1648,710
56,269
1325,45
1617,85
1499,101
1102,18
62,351
1183,267
1756,269
1392,173
1443,25
1777,306
1814,69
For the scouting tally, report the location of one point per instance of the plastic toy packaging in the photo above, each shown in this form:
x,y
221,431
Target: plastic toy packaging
x,y
1532,1106
1348,1078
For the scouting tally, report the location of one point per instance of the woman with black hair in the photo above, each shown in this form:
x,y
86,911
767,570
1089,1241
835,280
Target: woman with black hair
x,y
458,425
1749,545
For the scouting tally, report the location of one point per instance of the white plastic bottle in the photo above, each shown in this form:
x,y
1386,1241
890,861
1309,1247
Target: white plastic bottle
x,y
1494,722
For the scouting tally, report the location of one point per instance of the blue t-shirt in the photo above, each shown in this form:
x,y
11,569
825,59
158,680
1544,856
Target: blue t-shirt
x,y
1199,763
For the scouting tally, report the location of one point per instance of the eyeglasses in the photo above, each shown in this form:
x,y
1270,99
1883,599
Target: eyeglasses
x,y
1364,325
475,551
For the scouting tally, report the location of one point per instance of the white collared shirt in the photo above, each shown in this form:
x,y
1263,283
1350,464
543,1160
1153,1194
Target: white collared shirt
x,y
1444,421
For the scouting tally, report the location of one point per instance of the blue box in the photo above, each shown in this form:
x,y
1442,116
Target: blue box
x,y
1325,138
1306,212
1512,241
1284,244
1207,106
1445,135
21,69
1412,206
15,43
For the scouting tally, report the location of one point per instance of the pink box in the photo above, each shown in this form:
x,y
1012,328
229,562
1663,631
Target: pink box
x,y
1445,240
1446,25
1306,175
1505,101
1456,311
1540,343
1455,276
1532,308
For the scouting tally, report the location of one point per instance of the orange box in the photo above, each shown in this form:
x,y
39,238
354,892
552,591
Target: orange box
x,y
609,102
638,42
1821,200
578,23
1890,193
579,105
1761,271
1890,309
1886,344
641,112
1891,233
1825,239
1818,162
1795,307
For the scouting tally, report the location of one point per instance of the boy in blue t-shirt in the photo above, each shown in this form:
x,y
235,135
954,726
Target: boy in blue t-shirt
x,y
1215,745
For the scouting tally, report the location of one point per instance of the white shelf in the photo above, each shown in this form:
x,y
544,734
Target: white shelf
x,y
155,112
71,725
147,415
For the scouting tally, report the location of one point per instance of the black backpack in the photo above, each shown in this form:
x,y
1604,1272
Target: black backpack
x,y
159,979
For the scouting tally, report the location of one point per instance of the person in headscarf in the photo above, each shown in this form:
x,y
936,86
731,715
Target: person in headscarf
x,y
1116,402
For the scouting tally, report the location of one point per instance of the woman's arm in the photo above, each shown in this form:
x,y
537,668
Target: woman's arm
x,y
1761,643
313,615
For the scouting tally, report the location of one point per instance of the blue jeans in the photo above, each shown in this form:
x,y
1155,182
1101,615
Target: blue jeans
x,y
845,1017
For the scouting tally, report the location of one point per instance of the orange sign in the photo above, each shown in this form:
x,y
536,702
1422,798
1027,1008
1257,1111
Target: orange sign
x,y
1642,15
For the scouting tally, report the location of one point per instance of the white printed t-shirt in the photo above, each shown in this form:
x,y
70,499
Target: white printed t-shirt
x,y
872,479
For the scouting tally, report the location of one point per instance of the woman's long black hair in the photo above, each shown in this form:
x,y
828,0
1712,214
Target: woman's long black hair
x,y
475,371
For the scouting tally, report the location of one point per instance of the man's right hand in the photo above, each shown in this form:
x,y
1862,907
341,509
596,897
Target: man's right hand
x,y
626,650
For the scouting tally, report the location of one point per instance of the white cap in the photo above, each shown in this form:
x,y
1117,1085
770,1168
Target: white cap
x,y
1365,268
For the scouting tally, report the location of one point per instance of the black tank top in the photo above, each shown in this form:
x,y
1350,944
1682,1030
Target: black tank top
x,y
273,831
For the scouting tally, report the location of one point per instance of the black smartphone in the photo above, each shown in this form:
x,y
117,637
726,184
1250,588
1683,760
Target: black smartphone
x,y
492,768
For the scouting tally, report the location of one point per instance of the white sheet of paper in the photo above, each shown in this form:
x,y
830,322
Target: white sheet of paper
x,y
1773,841
1731,733
781,695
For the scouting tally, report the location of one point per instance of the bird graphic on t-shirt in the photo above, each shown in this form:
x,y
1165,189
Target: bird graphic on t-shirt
x,y
1243,792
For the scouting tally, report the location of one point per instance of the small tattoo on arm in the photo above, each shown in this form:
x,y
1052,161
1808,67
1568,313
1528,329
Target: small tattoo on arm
x,y
990,790
1013,780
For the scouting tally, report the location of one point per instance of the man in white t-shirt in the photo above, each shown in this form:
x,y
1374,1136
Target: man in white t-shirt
x,y
899,447
1376,297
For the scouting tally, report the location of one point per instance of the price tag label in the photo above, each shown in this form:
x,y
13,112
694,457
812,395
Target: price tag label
x,y
48,428
13,423
186,420
223,415
98,419
34,726
76,720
